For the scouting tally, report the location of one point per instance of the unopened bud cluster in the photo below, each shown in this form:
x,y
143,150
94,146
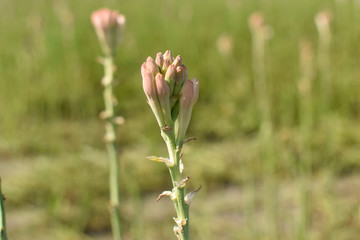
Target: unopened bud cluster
x,y
322,21
323,18
171,95
259,27
109,26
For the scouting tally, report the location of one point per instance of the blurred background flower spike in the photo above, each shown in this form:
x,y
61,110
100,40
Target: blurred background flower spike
x,y
109,26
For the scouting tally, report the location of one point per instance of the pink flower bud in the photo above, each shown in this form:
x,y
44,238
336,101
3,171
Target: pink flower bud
x,y
163,93
166,65
162,88
159,60
151,65
168,55
189,97
150,92
148,82
170,77
180,78
190,93
177,61
109,26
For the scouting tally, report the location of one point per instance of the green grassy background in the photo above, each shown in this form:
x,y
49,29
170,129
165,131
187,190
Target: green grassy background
x,y
53,160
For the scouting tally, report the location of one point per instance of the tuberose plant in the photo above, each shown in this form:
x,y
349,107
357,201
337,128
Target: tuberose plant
x,y
323,24
171,96
109,26
261,32
305,85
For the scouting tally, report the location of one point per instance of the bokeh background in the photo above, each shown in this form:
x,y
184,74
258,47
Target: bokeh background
x,y
301,181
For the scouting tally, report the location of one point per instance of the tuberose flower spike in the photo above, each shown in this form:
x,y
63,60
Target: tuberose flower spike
x,y
163,79
171,97
109,26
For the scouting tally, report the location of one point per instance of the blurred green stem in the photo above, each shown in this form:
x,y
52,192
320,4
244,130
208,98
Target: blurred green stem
x,y
305,113
325,68
3,235
110,138
134,191
249,203
266,128
182,209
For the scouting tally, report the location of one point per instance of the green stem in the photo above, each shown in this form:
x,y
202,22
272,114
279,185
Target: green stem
x,y
110,138
3,235
325,69
305,155
182,209
263,99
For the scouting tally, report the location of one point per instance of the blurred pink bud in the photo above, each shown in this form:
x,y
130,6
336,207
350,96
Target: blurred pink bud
x,y
256,20
189,96
109,26
323,18
225,44
151,65
163,93
258,26
322,22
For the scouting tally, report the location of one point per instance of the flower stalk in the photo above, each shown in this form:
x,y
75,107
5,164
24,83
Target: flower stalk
x,y
110,139
323,22
171,96
109,27
3,235
305,85
261,33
